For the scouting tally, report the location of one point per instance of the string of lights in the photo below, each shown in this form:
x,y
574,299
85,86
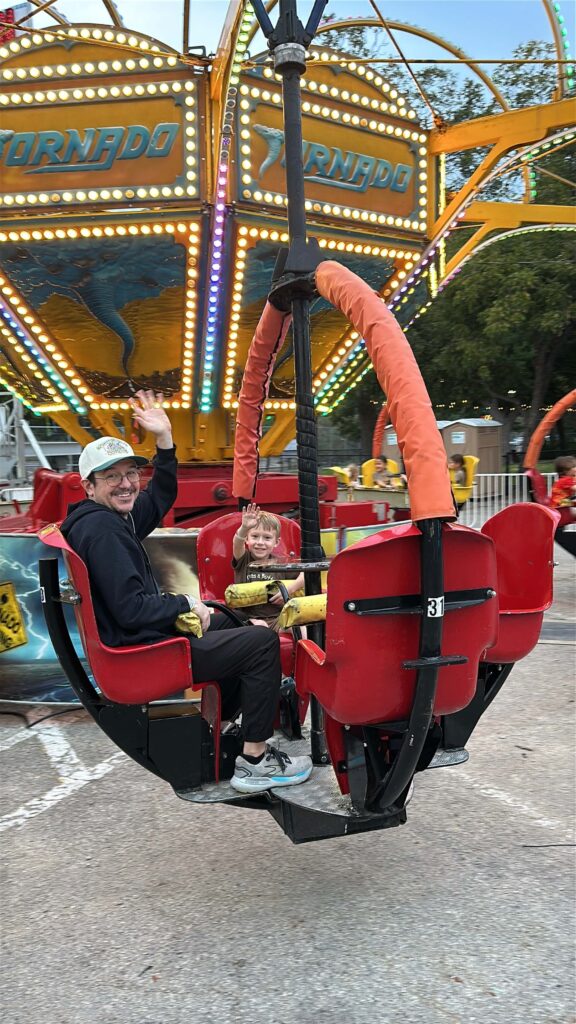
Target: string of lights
x,y
41,355
217,283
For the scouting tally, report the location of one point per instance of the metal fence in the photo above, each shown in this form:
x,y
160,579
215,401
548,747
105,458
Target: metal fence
x,y
494,491
287,462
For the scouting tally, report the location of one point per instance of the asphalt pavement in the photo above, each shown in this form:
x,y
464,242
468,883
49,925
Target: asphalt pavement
x,y
124,905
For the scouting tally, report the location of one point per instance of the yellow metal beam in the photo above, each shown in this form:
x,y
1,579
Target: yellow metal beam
x,y
38,5
69,423
225,51
506,217
282,431
511,128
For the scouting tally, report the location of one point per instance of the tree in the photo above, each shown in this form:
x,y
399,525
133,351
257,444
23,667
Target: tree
x,y
554,175
503,334
355,418
526,84
499,336
501,339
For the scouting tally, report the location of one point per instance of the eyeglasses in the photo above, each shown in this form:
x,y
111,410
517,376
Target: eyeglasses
x,y
113,479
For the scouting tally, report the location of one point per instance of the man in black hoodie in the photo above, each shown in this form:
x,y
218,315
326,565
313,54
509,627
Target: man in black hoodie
x,y
107,530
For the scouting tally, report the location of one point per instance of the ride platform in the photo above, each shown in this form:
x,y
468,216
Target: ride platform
x,y
316,806
316,809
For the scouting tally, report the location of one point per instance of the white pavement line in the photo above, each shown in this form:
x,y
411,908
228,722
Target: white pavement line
x,y
517,805
15,736
61,755
71,784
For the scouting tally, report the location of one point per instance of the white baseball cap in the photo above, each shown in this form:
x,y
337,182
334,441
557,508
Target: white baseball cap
x,y
105,452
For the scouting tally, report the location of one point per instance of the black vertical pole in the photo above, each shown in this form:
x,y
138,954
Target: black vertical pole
x,y
306,433
288,46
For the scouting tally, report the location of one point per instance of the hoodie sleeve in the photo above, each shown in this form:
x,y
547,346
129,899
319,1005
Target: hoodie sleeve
x,y
158,497
118,585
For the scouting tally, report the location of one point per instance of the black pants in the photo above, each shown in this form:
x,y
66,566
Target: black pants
x,y
245,661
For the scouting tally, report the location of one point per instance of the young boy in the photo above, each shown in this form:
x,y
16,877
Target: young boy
x,y
254,541
353,475
382,475
563,493
456,464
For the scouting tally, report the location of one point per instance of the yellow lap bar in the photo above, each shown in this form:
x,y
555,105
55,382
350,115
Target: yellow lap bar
x,y
300,610
189,622
244,595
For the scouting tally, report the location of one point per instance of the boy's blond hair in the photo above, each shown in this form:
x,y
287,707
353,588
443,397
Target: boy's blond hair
x,y
564,464
269,522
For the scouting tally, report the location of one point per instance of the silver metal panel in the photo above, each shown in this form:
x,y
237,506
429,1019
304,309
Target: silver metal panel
x,y
320,793
445,758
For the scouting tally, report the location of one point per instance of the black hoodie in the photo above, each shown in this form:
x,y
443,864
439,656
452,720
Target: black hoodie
x,y
128,605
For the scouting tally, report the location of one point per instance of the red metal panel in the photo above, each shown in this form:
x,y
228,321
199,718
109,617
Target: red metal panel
x,y
354,513
7,19
361,679
204,494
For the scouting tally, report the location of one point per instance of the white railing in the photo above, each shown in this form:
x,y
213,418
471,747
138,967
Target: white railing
x,y
494,491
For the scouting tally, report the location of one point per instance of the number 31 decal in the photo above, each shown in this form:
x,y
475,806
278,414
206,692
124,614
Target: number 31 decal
x,y
435,607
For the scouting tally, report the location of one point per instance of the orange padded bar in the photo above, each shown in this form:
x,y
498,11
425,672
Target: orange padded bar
x,y
378,435
543,428
400,379
268,337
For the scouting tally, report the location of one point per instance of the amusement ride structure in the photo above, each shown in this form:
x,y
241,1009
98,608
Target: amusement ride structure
x,y
143,204
160,257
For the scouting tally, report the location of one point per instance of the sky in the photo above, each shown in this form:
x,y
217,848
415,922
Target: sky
x,y
483,28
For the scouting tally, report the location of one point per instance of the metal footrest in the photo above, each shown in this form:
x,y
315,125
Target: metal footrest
x,y
445,758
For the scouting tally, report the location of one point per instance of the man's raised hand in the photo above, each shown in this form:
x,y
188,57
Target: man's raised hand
x,y
148,413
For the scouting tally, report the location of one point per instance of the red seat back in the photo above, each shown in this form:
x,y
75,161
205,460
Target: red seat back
x,y
539,493
126,675
362,679
523,537
537,484
215,572
214,548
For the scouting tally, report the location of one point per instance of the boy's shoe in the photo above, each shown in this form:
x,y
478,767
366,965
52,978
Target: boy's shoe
x,y
275,769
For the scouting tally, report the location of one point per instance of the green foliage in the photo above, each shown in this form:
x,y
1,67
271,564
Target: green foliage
x,y
355,418
554,176
500,336
502,333
361,41
526,84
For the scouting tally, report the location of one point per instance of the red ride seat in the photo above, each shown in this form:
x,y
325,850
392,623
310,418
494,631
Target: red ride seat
x,y
133,675
360,679
523,537
215,572
537,484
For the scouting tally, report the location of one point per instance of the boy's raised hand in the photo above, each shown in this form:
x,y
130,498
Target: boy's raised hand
x,y
250,517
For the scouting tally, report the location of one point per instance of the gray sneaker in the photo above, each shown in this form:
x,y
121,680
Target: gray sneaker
x,y
275,769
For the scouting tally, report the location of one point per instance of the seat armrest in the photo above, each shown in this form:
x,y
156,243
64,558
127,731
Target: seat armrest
x,y
308,666
308,649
